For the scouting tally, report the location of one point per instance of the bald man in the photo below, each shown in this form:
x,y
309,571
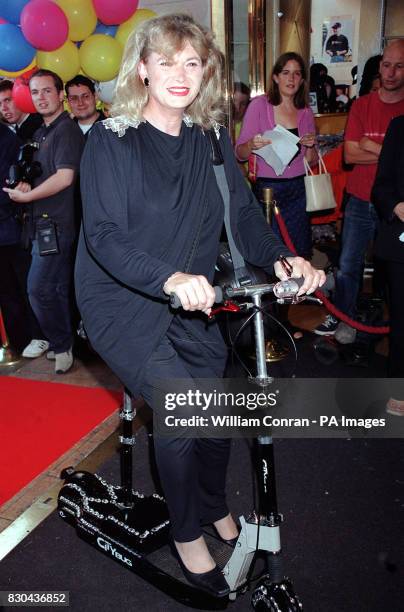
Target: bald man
x,y
367,124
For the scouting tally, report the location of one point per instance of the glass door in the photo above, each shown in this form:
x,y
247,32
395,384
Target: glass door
x,y
240,28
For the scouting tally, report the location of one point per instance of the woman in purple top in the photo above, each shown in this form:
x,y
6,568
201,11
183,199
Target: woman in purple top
x,y
285,104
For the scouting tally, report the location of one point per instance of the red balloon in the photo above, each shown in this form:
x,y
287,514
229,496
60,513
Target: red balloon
x,y
22,97
2,20
25,76
44,25
113,13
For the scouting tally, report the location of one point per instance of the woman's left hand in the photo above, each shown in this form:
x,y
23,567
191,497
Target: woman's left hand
x,y
313,279
308,140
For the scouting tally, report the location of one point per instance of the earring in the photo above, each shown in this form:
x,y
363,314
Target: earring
x,y
146,82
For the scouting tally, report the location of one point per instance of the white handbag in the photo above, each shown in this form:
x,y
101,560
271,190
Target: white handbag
x,y
319,191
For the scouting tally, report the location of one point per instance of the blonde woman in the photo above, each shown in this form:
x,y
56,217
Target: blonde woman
x,y
152,221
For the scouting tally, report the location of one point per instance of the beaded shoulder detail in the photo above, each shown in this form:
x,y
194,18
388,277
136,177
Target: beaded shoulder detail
x,y
120,124
216,129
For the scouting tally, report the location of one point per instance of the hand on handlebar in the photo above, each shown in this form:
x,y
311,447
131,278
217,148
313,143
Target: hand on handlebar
x,y
193,291
313,279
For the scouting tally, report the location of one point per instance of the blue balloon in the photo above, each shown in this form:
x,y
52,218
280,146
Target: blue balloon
x,y
15,52
101,28
10,10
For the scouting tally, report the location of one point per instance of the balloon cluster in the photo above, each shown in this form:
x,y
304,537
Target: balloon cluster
x,y
68,37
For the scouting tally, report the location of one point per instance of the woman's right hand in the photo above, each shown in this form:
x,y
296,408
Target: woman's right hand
x,y
258,141
193,291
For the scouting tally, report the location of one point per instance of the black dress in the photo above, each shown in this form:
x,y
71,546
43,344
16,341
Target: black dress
x,y
151,207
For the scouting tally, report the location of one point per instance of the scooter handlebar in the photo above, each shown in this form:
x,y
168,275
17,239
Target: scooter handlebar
x,y
175,301
281,289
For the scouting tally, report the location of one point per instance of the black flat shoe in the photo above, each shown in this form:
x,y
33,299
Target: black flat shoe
x,y
212,582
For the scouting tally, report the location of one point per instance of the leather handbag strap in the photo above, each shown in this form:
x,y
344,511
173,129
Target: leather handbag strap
x,y
240,270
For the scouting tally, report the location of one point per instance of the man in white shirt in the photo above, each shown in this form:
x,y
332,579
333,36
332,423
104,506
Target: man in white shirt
x,y
80,93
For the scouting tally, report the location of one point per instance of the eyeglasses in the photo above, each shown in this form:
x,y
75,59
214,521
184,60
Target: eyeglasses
x,y
84,97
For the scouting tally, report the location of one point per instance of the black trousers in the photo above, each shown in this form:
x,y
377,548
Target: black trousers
x,y
192,471
19,319
395,279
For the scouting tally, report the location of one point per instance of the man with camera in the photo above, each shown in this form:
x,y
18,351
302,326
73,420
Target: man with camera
x,y
20,321
51,197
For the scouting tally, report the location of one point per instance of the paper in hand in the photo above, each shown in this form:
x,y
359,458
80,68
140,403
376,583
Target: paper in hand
x,y
282,149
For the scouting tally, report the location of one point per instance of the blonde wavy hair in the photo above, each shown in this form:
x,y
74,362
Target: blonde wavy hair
x,y
167,35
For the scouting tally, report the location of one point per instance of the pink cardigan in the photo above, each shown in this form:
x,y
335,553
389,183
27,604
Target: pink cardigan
x,y
259,117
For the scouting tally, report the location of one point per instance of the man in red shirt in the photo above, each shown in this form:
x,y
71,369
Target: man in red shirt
x,y
367,124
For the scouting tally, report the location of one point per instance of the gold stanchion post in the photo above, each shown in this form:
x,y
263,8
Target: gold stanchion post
x,y
267,194
8,357
274,350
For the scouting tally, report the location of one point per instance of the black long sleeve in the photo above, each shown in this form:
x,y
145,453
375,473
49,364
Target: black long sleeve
x,y
388,188
105,189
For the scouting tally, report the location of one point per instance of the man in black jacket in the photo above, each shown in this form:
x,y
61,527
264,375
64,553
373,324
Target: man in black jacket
x,y
19,320
23,124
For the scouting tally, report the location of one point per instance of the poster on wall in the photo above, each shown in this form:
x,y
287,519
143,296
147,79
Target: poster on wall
x,y
338,35
199,9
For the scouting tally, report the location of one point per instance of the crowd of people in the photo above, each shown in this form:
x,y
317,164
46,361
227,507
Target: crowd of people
x,y
36,296
380,100
151,218
35,290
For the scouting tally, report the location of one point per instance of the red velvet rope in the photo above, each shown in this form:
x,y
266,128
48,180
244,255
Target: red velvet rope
x,y
3,335
329,305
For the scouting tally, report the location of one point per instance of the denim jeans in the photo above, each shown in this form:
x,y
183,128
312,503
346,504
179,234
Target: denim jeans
x,y
49,292
360,225
335,59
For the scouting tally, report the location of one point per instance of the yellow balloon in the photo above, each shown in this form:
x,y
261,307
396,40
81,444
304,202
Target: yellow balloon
x,y
81,17
64,61
14,75
131,24
100,57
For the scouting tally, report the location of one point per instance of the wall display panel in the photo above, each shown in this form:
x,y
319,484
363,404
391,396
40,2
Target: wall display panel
x,y
338,39
326,40
394,19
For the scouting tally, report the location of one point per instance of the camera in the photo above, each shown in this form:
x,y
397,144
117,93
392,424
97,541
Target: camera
x,y
25,170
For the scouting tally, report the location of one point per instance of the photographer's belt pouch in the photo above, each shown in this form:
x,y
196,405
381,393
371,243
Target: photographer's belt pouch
x,y
46,235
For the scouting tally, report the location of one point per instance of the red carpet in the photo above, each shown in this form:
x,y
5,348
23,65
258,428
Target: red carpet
x,y
39,421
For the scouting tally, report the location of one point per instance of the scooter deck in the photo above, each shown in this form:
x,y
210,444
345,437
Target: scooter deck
x,y
136,538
